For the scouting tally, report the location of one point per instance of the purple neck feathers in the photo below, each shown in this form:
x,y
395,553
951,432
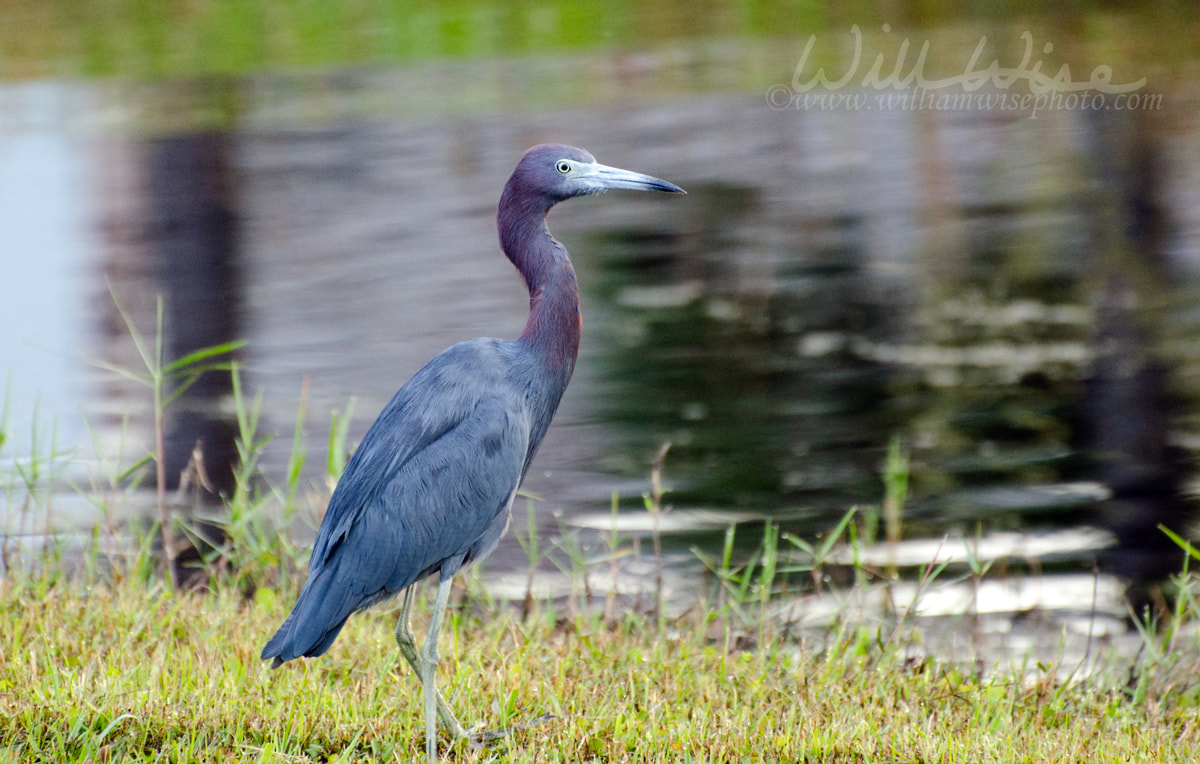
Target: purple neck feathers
x,y
554,320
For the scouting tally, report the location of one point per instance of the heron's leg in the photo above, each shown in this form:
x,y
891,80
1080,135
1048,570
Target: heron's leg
x,y
405,639
429,665
407,643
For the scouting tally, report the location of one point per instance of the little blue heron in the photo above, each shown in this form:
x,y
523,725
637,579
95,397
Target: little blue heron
x,y
431,486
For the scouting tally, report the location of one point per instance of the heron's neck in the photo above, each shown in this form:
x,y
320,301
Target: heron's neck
x,y
554,320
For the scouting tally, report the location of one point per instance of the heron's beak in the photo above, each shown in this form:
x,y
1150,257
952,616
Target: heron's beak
x,y
598,177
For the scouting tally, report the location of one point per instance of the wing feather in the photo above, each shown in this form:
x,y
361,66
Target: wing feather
x,y
428,489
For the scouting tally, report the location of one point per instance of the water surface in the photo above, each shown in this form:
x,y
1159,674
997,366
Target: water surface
x,y
1013,299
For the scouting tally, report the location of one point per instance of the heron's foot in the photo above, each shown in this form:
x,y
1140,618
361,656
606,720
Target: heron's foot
x,y
481,738
449,721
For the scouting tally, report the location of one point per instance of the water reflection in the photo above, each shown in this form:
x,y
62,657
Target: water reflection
x,y
697,353
48,248
192,241
1129,399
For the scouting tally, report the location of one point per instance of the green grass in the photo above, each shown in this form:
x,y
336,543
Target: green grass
x,y
174,38
129,673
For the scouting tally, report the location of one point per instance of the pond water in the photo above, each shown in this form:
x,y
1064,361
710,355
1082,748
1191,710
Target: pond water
x,y
1009,297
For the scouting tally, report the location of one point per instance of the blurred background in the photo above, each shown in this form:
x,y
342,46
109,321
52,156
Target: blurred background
x,y
1003,292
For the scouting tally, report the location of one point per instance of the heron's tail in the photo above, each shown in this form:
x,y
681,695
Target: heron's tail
x,y
313,624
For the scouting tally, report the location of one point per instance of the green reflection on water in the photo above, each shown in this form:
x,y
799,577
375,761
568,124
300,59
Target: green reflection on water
x,y
141,38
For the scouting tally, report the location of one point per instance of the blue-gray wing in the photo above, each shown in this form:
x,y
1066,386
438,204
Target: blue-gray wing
x,y
428,489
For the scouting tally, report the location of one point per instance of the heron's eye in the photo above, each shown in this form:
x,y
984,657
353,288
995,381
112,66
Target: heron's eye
x,y
563,166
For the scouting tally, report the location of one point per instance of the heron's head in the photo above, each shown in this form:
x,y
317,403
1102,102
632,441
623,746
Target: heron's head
x,y
553,172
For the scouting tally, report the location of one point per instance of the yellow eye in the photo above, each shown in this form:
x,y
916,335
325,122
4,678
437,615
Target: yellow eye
x,y
563,166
